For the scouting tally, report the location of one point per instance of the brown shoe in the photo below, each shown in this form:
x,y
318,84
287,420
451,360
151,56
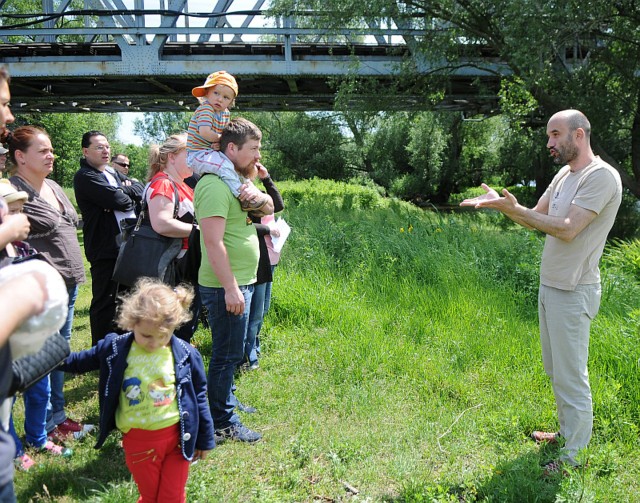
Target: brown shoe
x,y
545,437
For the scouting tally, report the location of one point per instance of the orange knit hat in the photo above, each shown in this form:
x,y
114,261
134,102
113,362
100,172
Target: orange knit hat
x,y
221,77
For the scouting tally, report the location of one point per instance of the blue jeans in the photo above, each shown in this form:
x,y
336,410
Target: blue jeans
x,y
267,305
227,348
7,449
55,409
6,493
267,294
35,399
256,317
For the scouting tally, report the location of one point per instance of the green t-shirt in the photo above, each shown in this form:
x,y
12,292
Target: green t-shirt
x,y
214,199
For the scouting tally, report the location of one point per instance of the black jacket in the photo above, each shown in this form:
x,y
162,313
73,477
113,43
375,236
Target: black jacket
x,y
264,265
97,200
136,190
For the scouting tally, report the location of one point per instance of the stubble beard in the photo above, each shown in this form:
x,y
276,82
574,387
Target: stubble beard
x,y
566,154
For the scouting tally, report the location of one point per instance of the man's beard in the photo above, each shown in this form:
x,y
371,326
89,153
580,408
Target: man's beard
x,y
247,171
566,154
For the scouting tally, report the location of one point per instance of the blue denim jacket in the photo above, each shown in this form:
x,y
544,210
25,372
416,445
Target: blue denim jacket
x,y
110,357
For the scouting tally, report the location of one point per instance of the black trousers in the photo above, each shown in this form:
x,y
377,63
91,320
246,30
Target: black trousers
x,y
102,311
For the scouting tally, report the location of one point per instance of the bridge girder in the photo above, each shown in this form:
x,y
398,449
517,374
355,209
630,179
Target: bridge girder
x,y
148,59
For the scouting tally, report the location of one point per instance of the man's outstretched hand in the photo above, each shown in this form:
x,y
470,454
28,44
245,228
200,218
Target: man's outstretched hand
x,y
507,204
483,200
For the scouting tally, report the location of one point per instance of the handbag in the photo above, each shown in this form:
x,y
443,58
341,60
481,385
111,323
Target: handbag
x,y
29,369
145,253
189,265
37,347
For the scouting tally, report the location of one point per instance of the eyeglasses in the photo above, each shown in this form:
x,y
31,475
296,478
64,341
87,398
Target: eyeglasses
x,y
123,164
100,148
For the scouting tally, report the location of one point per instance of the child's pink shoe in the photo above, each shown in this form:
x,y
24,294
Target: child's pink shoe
x,y
56,450
24,462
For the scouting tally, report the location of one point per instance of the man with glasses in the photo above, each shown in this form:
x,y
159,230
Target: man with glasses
x,y
104,202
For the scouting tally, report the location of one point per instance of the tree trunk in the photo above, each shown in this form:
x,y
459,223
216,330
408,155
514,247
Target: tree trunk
x,y
450,170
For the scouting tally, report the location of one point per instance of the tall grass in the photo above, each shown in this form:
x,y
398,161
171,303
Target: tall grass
x,y
401,363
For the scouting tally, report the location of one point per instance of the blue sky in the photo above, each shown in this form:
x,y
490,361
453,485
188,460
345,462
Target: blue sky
x,y
125,133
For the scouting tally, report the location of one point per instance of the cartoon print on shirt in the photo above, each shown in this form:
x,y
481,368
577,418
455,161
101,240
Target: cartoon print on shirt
x,y
132,390
161,393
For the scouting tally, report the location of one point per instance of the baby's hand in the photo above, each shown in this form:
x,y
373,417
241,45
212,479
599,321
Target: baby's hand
x,y
215,145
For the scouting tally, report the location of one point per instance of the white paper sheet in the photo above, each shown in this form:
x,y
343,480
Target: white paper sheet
x,y
285,230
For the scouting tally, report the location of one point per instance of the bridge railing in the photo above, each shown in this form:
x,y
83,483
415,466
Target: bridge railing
x,y
148,21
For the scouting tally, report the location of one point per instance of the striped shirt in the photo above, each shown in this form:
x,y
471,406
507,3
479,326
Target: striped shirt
x,y
205,115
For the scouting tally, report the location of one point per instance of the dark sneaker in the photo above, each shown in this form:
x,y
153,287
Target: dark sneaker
x,y
246,408
237,431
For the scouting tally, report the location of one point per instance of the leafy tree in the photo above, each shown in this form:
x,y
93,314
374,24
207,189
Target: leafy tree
x,y
156,127
138,158
564,55
15,13
66,132
305,145
386,148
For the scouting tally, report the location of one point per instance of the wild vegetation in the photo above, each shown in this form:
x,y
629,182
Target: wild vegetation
x,y
401,363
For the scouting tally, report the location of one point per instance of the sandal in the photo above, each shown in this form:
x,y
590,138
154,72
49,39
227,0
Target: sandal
x,y
545,437
24,462
554,468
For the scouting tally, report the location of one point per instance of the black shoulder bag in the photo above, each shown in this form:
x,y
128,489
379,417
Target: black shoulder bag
x,y
145,253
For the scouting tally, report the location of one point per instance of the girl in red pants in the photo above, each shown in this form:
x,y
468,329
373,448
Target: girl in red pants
x,y
153,388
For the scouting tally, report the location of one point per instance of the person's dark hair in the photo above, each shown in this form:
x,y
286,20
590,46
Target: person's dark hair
x,y
86,138
4,74
21,139
115,156
238,132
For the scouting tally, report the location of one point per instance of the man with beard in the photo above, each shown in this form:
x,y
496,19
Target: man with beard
x,y
104,202
576,212
227,273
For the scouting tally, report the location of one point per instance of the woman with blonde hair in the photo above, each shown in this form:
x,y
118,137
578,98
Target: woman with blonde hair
x,y
170,204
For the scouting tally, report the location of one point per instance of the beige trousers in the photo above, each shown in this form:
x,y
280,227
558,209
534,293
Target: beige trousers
x,y
565,321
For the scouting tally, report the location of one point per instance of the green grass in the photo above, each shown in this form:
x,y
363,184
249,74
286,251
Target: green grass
x,y
401,363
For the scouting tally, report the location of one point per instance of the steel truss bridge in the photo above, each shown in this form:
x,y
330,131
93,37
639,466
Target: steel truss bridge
x,y
147,55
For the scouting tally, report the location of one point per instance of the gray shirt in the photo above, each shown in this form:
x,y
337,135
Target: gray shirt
x,y
596,188
53,231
